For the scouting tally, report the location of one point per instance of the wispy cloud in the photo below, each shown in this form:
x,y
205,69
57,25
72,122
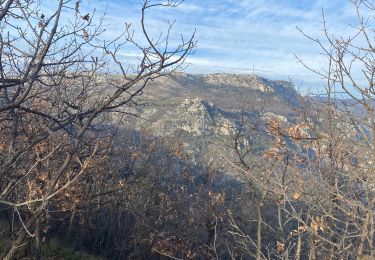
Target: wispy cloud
x,y
239,35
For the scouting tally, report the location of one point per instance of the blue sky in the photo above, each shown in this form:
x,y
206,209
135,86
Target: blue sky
x,y
239,35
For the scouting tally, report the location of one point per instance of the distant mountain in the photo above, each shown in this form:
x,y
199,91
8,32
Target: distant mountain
x,y
205,111
227,91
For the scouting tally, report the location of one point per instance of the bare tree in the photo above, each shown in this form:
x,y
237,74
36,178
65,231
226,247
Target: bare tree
x,y
57,88
319,170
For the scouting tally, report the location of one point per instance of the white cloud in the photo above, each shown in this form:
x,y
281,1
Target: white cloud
x,y
235,35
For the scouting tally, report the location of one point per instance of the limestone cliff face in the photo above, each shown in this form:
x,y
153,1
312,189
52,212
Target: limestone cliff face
x,y
194,116
205,111
199,104
226,91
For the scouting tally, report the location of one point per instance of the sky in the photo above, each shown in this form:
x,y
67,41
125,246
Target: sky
x,y
244,36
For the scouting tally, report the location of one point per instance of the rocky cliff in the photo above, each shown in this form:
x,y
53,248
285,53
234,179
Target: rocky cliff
x,y
205,112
